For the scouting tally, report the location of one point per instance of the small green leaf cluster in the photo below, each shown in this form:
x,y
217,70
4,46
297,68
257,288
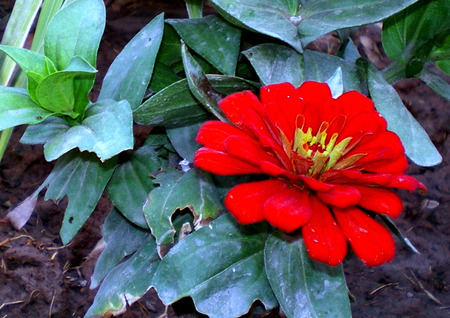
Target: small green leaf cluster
x,y
168,228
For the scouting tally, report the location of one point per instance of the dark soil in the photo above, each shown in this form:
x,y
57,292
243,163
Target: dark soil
x,y
41,278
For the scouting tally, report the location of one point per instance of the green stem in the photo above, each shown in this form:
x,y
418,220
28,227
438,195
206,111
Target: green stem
x,y
194,8
395,72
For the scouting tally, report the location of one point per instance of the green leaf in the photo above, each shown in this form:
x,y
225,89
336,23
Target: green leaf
x,y
168,66
323,16
177,190
107,130
276,64
29,60
412,37
44,131
82,178
418,146
121,238
320,67
390,224
199,85
131,182
175,105
129,75
76,30
127,282
17,108
435,82
335,83
214,39
278,19
194,8
414,27
57,92
183,140
220,266
303,287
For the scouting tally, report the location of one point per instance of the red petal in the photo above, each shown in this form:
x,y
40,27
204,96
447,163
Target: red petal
x,y
240,108
355,103
316,185
340,196
406,182
314,97
370,241
323,238
221,163
380,200
246,201
212,134
288,209
248,150
282,103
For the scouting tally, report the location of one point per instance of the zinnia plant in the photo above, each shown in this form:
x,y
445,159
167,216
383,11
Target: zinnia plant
x,y
241,202
330,162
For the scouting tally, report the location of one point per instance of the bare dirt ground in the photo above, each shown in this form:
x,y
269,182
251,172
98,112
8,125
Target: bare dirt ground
x,y
41,278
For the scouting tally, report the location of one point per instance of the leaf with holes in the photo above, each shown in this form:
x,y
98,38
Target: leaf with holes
x,y
178,190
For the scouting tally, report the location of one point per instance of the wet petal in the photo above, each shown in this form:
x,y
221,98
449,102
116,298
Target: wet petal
x,y
288,209
370,241
380,200
340,196
323,238
221,163
246,201
212,134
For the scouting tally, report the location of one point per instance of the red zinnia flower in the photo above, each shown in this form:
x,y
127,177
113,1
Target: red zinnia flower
x,y
328,160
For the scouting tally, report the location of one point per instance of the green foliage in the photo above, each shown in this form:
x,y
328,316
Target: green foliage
x,y
303,287
416,35
82,178
129,75
106,131
17,108
171,195
212,38
220,261
418,146
131,181
323,16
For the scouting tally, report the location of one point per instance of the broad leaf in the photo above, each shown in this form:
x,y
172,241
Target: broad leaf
x,y
131,182
82,178
220,266
276,64
127,282
183,140
410,36
168,65
175,105
57,92
414,27
213,38
418,146
278,19
303,287
17,108
336,84
107,130
121,238
129,75
323,16
194,8
199,85
76,30
177,190
45,131
29,61
321,67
